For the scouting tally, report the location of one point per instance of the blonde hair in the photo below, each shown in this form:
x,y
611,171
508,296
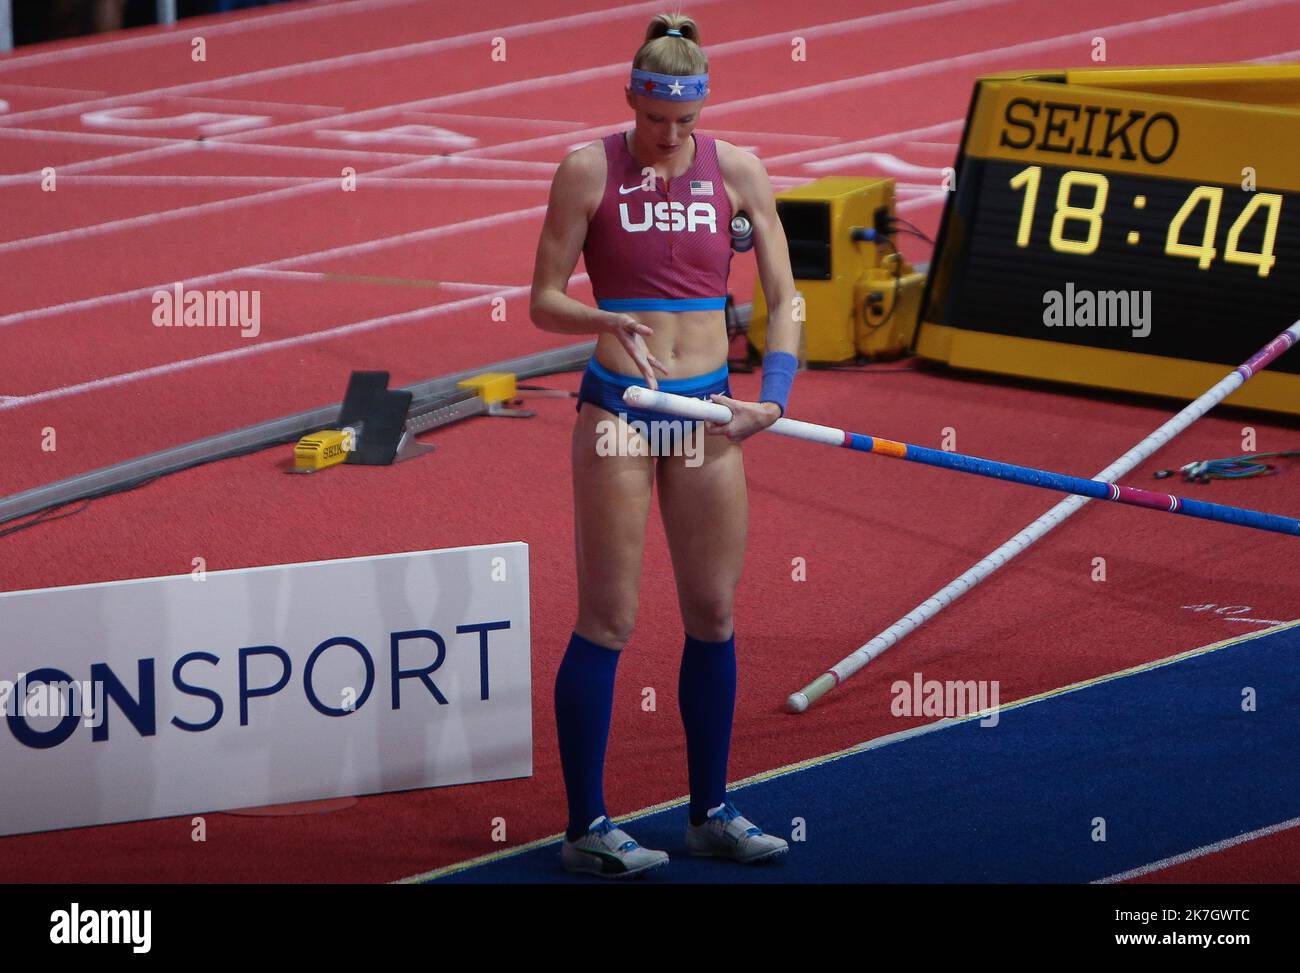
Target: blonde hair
x,y
672,55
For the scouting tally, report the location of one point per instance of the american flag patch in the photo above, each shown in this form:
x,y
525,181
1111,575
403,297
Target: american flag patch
x,y
701,187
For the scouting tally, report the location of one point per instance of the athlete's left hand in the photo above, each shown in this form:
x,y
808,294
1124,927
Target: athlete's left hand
x,y
747,418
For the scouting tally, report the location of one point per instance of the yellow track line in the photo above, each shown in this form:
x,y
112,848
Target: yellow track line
x,y
397,281
874,744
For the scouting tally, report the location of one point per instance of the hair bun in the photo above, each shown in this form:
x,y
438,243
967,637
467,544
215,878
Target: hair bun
x,y
676,59
672,25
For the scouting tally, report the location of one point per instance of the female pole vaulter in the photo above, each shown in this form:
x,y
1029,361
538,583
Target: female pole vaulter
x,y
650,209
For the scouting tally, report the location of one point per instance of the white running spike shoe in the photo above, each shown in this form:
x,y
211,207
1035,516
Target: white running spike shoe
x,y
609,852
728,835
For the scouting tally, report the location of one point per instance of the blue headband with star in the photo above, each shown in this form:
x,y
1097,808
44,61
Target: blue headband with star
x,y
669,87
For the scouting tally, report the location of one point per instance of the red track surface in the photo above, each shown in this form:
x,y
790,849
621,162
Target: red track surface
x,y
1274,858
141,205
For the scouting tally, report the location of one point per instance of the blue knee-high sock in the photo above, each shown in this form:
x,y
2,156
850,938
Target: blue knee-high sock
x,y
584,699
706,696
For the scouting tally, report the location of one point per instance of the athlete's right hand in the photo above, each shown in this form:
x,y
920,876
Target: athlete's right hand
x,y
630,333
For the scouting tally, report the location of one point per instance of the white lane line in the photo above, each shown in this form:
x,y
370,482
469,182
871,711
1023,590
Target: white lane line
x,y
40,89
734,46
940,194
913,203
283,264
342,156
871,142
60,236
323,184
738,46
221,357
1267,58
171,146
241,182
35,313
866,746
168,147
344,61
744,45
319,276
239,104
738,135
452,118
782,37
318,184
885,162
1200,852
92,138
560,23
961,62
176,146
209,27
953,125
350,249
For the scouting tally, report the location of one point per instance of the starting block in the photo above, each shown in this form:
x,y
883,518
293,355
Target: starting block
x,y
377,425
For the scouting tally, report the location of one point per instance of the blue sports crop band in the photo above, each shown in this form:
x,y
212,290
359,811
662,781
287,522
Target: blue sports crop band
x,y
663,303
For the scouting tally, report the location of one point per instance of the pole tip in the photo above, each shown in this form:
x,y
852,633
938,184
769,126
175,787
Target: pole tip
x,y
797,703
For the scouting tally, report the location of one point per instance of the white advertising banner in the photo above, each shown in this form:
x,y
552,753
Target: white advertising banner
x,y
229,689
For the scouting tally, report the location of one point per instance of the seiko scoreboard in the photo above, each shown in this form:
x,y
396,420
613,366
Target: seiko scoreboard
x,y
1133,229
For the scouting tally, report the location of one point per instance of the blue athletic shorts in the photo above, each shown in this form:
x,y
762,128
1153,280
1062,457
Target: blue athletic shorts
x,y
604,388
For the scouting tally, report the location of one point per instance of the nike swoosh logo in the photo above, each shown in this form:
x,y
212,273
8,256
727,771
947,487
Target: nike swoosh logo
x,y
622,191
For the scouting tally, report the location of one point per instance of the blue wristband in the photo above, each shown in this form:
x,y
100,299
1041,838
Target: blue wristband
x,y
778,375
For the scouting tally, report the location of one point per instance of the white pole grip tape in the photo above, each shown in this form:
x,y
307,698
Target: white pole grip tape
x,y
643,398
